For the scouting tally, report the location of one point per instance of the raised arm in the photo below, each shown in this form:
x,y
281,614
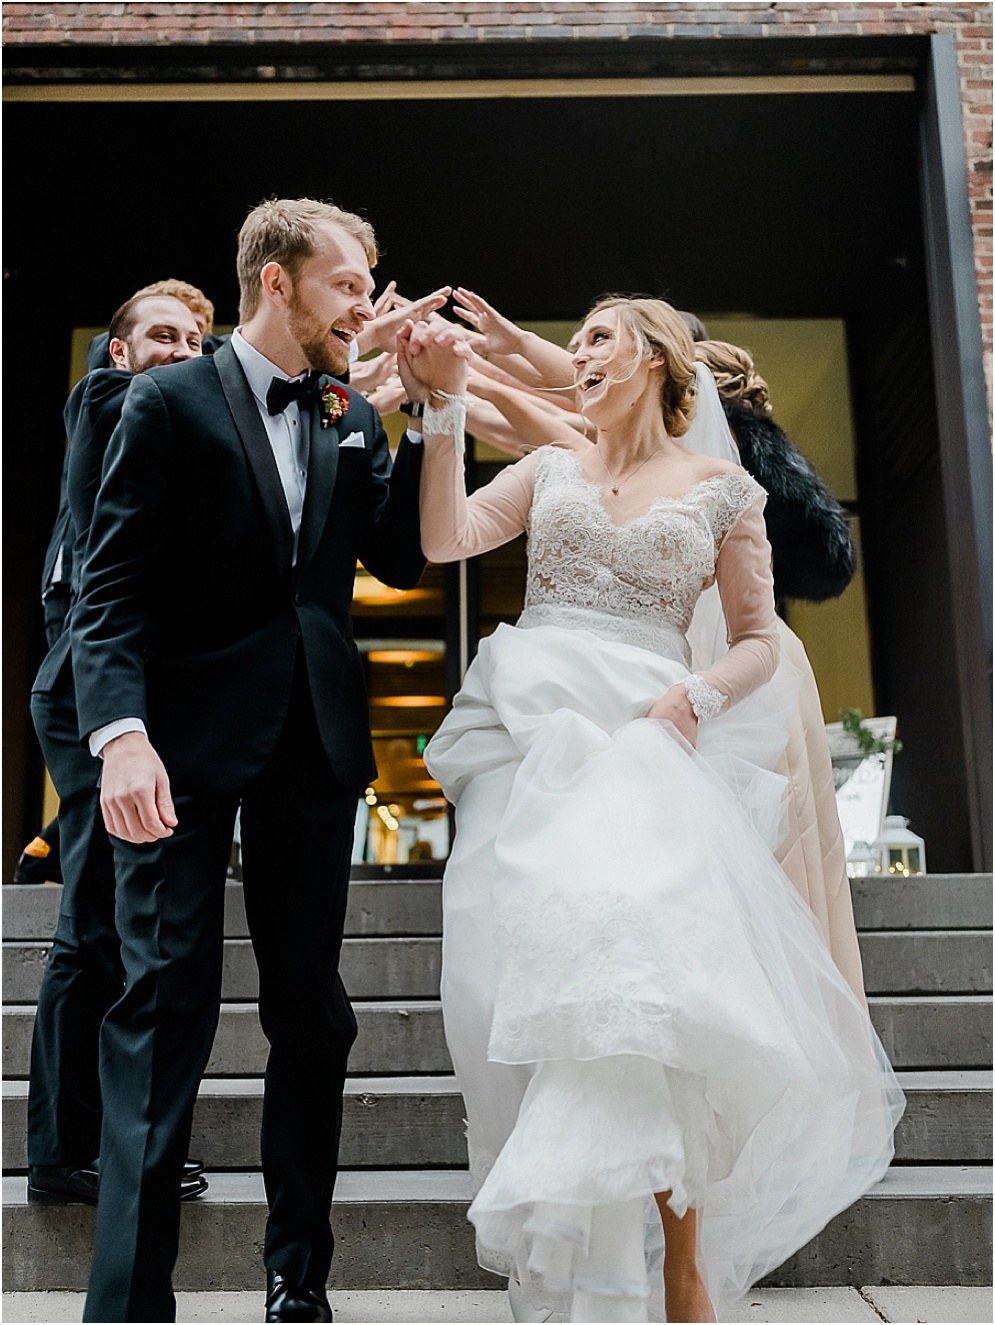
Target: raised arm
x,y
433,366
454,525
515,421
504,340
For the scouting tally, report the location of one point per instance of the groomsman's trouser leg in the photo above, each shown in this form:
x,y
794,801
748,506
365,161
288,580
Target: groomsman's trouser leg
x,y
83,975
154,1045
297,832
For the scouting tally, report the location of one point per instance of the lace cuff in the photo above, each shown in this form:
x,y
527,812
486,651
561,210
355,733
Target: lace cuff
x,y
449,417
706,701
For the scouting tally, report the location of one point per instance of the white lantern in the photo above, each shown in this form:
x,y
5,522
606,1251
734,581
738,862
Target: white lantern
x,y
900,852
862,861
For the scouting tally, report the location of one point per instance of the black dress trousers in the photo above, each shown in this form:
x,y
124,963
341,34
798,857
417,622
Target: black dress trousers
x,y
83,975
297,832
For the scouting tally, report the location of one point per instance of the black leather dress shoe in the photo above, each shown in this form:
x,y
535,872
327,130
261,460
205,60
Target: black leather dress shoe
x,y
192,1168
48,1185
286,1301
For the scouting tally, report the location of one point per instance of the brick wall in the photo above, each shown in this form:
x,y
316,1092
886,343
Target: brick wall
x,y
142,25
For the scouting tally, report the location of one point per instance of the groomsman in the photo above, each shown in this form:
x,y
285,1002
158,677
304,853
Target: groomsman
x,y
84,976
214,664
98,353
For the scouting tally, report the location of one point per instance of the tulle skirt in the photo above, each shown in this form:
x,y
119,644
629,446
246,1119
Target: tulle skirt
x,y
636,1000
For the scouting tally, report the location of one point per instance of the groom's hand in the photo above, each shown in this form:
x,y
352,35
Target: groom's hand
x,y
381,332
432,358
134,791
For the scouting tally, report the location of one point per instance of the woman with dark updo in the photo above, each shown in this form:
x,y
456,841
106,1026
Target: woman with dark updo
x,y
806,527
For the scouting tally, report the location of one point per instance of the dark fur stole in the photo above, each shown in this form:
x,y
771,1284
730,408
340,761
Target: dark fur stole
x,y
813,551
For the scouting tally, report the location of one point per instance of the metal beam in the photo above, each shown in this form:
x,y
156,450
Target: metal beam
x,y
462,89
965,442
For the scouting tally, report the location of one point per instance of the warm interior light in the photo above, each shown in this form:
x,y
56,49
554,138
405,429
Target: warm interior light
x,y
409,701
406,656
368,589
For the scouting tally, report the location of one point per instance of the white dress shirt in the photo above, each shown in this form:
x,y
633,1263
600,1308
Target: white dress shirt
x,y
283,430
289,448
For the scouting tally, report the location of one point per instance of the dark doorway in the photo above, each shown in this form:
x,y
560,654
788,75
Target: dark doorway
x,y
775,205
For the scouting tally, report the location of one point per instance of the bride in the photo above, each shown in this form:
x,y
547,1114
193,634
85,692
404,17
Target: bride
x,y
669,1087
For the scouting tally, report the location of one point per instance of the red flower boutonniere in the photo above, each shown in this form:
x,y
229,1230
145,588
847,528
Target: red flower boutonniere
x,y
334,403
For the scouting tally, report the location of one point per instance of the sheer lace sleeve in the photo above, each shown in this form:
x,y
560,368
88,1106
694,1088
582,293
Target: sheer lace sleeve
x,y
453,525
746,587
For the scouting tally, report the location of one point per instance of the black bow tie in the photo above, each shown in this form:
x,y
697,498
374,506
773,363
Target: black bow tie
x,y
281,392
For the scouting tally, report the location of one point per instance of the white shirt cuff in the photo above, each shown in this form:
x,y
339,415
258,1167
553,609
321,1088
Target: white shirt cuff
x,y
413,436
118,727
353,351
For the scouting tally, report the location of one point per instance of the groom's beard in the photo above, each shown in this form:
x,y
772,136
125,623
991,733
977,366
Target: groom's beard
x,y
323,350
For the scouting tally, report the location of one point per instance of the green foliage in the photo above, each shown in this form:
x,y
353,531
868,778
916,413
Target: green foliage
x,y
869,744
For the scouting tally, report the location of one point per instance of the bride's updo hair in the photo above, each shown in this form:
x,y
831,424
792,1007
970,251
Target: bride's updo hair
x,y
735,374
657,331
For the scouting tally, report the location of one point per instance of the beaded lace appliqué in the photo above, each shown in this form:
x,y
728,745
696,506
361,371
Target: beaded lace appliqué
x,y
641,578
706,701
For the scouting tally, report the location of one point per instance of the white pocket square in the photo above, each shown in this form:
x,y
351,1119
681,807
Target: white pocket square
x,y
354,439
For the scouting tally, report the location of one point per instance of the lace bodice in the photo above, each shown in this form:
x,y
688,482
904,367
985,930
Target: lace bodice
x,y
644,576
635,583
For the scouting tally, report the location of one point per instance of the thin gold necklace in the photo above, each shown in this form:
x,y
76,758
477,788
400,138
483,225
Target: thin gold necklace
x,y
618,483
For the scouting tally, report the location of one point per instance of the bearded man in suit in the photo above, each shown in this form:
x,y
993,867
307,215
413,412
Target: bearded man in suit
x,y
215,665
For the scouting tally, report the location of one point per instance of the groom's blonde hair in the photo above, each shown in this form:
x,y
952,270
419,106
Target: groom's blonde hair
x,y
284,230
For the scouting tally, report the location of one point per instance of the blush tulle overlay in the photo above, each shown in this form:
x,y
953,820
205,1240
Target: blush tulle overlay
x,y
636,1000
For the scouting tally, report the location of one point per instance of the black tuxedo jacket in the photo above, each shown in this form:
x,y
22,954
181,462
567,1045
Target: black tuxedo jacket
x,y
190,613
91,415
55,593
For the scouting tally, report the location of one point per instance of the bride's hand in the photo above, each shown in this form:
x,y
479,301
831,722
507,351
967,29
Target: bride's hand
x,y
675,707
500,335
431,358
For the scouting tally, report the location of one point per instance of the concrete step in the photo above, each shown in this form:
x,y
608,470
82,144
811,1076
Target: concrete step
x,y
926,901
388,1122
395,905
399,906
895,962
408,1230
927,961
403,1122
395,1039
370,967
947,1119
401,1038
926,1032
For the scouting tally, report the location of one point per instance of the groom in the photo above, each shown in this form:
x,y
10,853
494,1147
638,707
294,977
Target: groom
x,y
214,666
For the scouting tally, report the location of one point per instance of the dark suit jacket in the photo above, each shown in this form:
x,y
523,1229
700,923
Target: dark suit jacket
x,y
190,614
55,593
91,414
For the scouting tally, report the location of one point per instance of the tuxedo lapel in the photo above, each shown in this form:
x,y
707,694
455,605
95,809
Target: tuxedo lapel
x,y
322,466
258,452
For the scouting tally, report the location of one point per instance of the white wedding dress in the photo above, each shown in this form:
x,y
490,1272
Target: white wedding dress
x,y
635,998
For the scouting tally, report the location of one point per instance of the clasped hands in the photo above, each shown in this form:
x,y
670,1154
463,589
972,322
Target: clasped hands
x,y
433,353
432,357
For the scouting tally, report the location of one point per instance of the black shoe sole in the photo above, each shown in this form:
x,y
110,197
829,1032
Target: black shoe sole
x,y
42,1196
